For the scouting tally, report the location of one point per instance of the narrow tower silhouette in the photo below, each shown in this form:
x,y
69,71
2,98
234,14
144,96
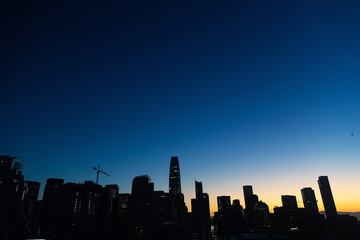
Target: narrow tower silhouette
x,y
201,212
174,177
248,192
177,203
327,197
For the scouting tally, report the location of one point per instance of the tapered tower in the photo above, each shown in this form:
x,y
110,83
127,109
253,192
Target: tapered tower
x,y
174,177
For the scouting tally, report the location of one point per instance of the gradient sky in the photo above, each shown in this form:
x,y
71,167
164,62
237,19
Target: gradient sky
x,y
262,93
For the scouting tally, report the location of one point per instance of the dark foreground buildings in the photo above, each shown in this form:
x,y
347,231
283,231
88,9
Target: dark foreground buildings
x,y
288,221
11,191
90,211
229,217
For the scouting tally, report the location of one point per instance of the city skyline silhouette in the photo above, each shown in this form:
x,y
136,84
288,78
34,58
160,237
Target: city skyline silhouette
x,y
244,93
89,209
214,205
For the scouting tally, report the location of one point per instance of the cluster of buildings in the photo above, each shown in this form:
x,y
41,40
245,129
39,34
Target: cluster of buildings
x,y
288,219
90,210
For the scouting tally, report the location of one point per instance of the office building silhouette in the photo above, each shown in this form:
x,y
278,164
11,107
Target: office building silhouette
x,y
109,200
49,208
289,201
51,188
236,202
142,189
327,197
250,200
309,199
248,191
141,203
201,213
31,192
223,202
261,216
198,189
289,215
228,218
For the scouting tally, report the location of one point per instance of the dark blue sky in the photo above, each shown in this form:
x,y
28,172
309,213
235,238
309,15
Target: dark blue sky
x,y
244,92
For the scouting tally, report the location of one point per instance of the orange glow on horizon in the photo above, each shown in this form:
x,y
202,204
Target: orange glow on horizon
x,y
346,200
349,207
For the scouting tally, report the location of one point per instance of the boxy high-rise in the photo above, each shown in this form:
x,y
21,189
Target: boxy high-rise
x,y
327,198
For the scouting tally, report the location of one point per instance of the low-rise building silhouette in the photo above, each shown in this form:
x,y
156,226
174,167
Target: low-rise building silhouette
x,y
289,201
229,218
223,202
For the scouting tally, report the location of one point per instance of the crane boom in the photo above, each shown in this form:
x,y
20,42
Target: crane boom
x,y
97,173
104,173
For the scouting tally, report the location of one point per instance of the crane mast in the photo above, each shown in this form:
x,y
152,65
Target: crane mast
x,y
97,169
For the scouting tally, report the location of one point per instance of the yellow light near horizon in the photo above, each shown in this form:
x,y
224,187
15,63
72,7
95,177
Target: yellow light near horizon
x,y
346,199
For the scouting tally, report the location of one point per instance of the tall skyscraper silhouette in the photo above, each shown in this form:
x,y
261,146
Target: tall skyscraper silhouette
x,y
178,207
174,176
201,213
198,189
248,192
31,192
142,203
50,203
310,203
327,197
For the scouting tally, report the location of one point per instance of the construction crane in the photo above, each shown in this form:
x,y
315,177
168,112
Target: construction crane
x,y
97,169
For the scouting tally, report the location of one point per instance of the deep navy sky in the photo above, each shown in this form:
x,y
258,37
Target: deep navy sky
x,y
244,92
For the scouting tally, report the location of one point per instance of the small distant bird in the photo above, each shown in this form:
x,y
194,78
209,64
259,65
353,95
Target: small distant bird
x,y
352,134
